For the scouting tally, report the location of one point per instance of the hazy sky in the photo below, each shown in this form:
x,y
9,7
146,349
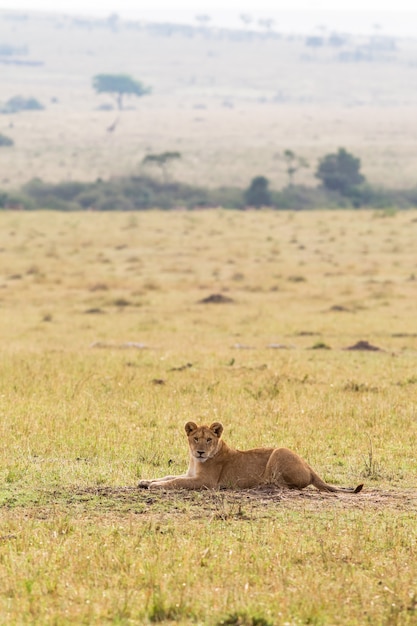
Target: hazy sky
x,y
206,5
99,6
397,16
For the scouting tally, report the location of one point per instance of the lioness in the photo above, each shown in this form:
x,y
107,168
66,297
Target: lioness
x,y
214,464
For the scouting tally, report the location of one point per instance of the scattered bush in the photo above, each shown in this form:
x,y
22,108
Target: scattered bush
x,y
66,191
127,194
298,197
340,172
257,194
8,50
320,345
19,103
244,619
16,200
105,107
6,141
137,193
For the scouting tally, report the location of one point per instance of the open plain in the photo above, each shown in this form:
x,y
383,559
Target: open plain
x,y
229,102
108,349
293,329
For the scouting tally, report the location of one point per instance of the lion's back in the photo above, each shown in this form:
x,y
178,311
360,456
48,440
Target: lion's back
x,y
244,469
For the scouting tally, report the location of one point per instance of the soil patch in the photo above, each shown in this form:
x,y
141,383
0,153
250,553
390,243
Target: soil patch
x,y
339,308
112,505
223,504
364,345
216,298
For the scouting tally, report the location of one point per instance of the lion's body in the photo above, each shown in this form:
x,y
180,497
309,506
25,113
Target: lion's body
x,y
213,464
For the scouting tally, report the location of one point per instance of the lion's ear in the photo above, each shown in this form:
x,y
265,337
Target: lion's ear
x,y
217,428
189,427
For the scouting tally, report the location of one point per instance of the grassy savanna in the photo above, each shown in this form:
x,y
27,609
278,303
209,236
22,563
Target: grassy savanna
x,y
230,104
107,351
62,145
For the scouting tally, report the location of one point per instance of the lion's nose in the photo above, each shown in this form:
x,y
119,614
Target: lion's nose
x,y
200,452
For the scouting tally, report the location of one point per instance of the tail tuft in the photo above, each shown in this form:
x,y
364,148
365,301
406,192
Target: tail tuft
x,y
358,488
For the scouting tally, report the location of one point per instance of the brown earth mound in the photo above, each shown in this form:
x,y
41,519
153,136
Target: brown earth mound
x,y
364,345
216,298
339,308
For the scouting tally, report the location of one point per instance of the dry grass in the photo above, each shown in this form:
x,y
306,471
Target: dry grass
x,y
107,352
218,146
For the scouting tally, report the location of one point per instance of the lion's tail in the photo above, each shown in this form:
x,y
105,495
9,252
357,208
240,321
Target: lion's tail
x,y
322,486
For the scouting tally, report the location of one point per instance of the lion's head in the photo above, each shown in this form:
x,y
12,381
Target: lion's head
x,y
204,441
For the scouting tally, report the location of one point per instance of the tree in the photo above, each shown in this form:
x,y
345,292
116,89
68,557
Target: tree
x,y
293,164
315,41
258,194
267,23
161,160
337,40
113,21
203,19
119,85
246,19
340,172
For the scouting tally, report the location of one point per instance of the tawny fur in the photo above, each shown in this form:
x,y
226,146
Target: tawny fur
x,y
213,464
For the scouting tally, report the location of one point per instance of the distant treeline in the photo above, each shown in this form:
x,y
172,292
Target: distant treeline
x,y
348,47
137,193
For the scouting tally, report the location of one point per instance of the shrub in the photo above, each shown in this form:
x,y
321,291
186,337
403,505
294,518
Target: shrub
x,y
340,172
137,193
16,200
114,202
227,197
66,191
6,141
258,194
8,50
19,103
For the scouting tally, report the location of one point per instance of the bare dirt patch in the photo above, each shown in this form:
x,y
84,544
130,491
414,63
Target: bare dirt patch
x,y
221,504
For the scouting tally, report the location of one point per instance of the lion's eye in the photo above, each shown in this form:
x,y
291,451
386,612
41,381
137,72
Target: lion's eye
x,y
208,439
196,439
